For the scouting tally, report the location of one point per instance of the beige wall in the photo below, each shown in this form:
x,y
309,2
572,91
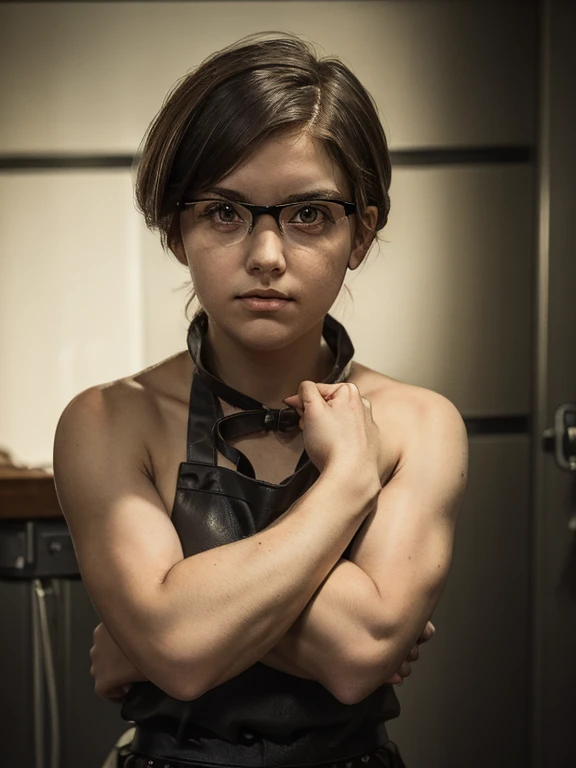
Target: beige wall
x,y
87,295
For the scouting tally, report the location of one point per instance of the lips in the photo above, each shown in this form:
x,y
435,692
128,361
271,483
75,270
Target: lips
x,y
261,294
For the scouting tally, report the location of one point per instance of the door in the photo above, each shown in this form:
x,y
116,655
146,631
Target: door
x,y
554,614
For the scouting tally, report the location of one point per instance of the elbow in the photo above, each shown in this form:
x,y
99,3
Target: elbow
x,y
182,690
181,683
349,695
181,675
178,680
360,676
355,690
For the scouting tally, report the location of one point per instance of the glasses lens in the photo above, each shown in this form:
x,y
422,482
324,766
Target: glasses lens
x,y
306,225
220,222
312,224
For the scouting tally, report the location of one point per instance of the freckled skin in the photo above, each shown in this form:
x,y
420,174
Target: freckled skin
x,y
286,164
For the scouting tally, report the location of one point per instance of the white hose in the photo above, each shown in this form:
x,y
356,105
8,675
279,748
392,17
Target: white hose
x,y
50,675
38,686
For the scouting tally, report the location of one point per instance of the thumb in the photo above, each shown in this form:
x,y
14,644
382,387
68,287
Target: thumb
x,y
309,394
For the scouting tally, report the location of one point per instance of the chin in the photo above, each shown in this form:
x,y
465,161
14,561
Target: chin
x,y
264,332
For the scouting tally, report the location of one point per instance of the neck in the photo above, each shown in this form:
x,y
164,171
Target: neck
x,y
267,375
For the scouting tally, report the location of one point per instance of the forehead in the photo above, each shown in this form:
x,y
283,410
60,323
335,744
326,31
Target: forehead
x,y
283,165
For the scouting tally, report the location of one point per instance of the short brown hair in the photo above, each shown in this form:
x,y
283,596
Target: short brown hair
x,y
215,116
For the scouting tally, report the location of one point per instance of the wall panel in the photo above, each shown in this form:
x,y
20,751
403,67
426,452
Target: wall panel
x,y
444,300
70,297
87,77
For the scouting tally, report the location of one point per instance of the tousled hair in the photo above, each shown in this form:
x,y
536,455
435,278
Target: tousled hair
x,y
217,115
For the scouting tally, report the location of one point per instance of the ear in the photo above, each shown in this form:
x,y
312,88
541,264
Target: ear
x,y
363,238
177,248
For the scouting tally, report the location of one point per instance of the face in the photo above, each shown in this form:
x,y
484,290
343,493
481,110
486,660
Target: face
x,y
284,166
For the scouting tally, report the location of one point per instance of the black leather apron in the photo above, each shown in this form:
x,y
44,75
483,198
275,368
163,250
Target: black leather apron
x,y
261,717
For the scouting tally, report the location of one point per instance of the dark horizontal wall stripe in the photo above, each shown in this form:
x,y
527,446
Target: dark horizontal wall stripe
x,y
400,157
63,162
462,155
95,2
498,425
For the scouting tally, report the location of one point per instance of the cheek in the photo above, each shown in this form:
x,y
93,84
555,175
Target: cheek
x,y
209,277
206,275
330,269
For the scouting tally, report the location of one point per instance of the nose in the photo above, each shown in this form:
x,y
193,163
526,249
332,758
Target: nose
x,y
265,247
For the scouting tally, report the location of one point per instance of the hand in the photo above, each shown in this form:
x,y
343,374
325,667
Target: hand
x,y
112,670
406,667
338,427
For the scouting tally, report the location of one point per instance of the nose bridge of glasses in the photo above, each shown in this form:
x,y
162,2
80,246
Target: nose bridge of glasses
x,y
256,211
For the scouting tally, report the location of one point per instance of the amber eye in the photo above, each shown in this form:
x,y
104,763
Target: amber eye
x,y
226,212
309,215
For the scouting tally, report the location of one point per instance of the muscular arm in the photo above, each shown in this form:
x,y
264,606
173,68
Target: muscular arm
x,y
320,642
367,614
189,623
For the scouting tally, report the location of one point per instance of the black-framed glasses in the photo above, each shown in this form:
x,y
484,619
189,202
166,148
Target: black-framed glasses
x,y
308,223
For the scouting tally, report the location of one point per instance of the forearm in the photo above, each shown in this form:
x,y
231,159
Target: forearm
x,y
338,618
341,623
237,601
347,639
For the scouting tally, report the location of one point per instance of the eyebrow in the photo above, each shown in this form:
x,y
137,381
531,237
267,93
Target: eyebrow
x,y
312,194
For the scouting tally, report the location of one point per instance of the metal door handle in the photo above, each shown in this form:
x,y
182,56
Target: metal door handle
x,y
561,438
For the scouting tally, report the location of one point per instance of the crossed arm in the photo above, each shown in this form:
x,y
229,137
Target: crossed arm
x,y
367,615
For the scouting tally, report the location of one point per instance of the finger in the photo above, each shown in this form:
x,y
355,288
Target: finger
x,y
326,392
329,391
414,654
309,394
352,391
427,633
293,401
334,391
405,669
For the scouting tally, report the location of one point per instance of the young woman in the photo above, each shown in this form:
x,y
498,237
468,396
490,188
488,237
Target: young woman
x,y
264,524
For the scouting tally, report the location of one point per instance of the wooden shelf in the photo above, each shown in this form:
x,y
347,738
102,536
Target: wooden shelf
x,y
27,494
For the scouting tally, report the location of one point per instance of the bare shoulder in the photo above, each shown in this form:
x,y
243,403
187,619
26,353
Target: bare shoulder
x,y
128,408
113,430
413,417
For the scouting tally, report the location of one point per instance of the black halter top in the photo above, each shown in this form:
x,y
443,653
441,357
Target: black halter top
x,y
261,717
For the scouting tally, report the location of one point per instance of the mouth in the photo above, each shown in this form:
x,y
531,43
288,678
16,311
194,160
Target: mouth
x,y
264,294
264,301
